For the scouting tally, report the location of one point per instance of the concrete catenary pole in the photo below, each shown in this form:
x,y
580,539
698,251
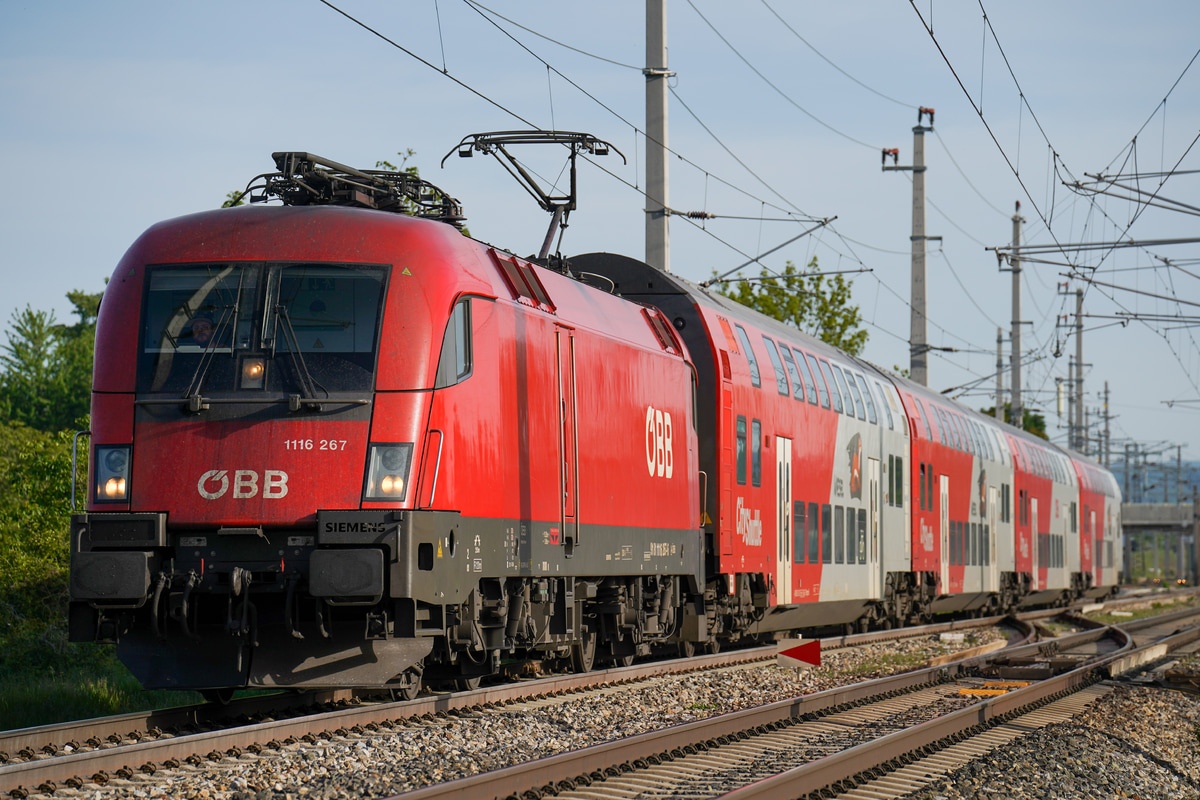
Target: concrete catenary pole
x,y
1018,413
1107,428
658,246
1000,374
918,341
1081,431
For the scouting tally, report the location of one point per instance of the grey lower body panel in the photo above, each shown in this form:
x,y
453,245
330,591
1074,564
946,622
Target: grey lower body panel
x,y
812,615
959,602
279,660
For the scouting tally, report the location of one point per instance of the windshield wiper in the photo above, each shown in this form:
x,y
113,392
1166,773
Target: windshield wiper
x,y
192,395
307,384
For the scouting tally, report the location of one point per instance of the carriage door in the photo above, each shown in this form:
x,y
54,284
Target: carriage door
x,y
1097,545
1035,539
944,523
568,438
783,521
873,520
991,573
725,522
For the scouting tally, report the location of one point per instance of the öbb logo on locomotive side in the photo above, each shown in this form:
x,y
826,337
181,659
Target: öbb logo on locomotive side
x,y
214,484
660,458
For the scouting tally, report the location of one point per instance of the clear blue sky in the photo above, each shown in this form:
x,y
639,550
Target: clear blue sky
x,y
116,115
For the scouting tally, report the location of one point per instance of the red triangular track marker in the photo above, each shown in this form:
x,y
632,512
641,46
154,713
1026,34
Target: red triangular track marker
x,y
797,652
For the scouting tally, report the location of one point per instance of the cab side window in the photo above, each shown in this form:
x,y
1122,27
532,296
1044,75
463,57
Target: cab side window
x,y
454,364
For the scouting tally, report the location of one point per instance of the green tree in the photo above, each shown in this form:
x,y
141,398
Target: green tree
x,y
36,466
808,301
1034,423
404,157
47,366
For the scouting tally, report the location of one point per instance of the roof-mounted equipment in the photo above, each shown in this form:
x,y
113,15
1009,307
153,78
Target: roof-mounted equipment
x,y
305,179
560,206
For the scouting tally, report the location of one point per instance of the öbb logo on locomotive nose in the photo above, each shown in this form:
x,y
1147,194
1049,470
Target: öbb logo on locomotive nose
x,y
660,459
215,483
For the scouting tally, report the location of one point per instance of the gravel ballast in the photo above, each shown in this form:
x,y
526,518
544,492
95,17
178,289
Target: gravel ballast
x,y
1139,739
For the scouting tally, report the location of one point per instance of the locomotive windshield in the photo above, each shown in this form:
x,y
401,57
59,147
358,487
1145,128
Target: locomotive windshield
x,y
306,329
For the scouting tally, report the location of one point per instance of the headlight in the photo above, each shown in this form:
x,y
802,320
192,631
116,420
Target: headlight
x,y
111,484
387,472
254,371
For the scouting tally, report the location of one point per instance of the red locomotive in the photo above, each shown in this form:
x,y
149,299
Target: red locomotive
x,y
339,443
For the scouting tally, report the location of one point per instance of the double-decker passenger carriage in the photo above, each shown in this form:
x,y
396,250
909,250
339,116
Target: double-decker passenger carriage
x,y
338,442
849,496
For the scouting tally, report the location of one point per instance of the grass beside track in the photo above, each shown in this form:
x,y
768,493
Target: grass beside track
x,y
1154,609
82,689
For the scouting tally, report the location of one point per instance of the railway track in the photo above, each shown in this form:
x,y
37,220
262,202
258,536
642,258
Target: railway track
x,y
42,759
723,755
78,766
881,738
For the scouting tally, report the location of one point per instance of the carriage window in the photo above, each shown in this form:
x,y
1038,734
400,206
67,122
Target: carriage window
x,y
847,395
887,407
987,442
820,384
964,434
866,393
922,481
802,363
834,394
827,534
862,536
797,384
756,453
839,536
750,359
798,530
967,441
984,442
780,379
941,419
741,450
924,418
960,436
814,530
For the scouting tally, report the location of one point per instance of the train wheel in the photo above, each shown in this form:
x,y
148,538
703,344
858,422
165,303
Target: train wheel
x,y
219,697
611,659
712,646
407,685
583,654
687,649
464,683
